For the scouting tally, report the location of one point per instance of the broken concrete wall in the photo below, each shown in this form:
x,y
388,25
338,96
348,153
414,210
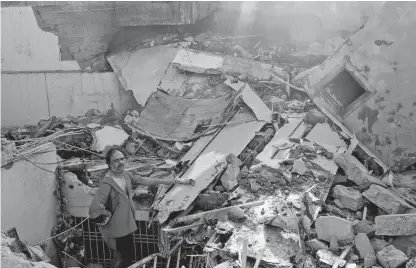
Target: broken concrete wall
x,y
28,202
29,97
381,110
25,47
86,28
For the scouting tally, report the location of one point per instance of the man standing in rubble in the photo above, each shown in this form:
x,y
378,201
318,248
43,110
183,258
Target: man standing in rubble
x,y
112,207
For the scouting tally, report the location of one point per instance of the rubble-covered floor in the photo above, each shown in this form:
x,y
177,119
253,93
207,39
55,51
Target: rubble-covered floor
x,y
225,117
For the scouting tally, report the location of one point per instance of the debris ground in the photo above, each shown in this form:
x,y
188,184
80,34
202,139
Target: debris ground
x,y
221,115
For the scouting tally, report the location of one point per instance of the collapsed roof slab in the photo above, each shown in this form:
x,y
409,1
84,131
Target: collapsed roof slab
x,y
368,85
210,63
141,70
167,117
231,140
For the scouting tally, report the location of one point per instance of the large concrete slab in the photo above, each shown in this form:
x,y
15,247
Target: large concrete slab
x,y
167,117
28,202
141,70
231,140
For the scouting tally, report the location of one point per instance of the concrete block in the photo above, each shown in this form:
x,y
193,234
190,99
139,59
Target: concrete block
x,y
378,244
385,199
391,257
299,167
331,226
365,227
363,245
396,225
349,197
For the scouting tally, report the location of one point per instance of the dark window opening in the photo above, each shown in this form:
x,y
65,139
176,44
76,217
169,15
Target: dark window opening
x,y
344,90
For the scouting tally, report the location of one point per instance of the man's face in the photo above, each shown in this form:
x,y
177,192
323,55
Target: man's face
x,y
117,162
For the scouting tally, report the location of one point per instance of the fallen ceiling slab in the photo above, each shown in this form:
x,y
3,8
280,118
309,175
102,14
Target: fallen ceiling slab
x,y
141,70
167,117
231,140
210,63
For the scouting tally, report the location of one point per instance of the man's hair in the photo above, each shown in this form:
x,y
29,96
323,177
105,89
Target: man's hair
x,y
110,154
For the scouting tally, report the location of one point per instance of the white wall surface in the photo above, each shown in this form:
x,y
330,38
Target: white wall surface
x,y
28,97
25,47
27,199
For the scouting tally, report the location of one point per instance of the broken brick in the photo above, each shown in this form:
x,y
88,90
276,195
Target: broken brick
x,y
349,197
391,257
385,199
331,226
363,245
396,225
236,214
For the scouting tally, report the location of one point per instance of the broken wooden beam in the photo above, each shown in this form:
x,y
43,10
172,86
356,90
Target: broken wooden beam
x,y
202,214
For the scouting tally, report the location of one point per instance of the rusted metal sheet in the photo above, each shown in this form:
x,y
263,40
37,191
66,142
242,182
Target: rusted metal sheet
x,y
231,140
167,117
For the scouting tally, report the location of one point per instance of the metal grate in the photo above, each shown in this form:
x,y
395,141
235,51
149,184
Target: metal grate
x,y
145,243
197,261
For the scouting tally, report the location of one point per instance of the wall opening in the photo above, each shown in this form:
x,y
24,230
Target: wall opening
x,y
343,90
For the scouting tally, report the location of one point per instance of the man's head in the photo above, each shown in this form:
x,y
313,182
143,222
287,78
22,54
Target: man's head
x,y
115,160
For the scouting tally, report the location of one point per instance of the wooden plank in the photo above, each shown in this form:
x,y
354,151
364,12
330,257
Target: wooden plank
x,y
231,140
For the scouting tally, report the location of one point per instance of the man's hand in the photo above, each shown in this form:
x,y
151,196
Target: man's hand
x,y
184,181
107,216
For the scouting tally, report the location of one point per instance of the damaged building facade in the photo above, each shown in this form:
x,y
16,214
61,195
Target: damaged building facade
x,y
301,152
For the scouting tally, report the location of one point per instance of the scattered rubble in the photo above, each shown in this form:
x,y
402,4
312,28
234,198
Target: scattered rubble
x,y
263,157
390,257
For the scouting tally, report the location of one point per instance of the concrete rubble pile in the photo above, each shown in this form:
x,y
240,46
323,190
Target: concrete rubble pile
x,y
277,183
14,253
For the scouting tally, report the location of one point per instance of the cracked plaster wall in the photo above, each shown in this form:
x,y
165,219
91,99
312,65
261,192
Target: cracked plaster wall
x,y
382,53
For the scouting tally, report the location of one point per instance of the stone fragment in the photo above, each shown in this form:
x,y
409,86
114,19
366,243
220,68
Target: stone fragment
x,y
229,177
220,188
385,199
411,252
411,263
353,258
378,244
286,221
338,178
349,197
365,227
331,226
404,242
254,186
236,214
391,257
370,260
316,244
396,225
363,245
299,167
314,117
